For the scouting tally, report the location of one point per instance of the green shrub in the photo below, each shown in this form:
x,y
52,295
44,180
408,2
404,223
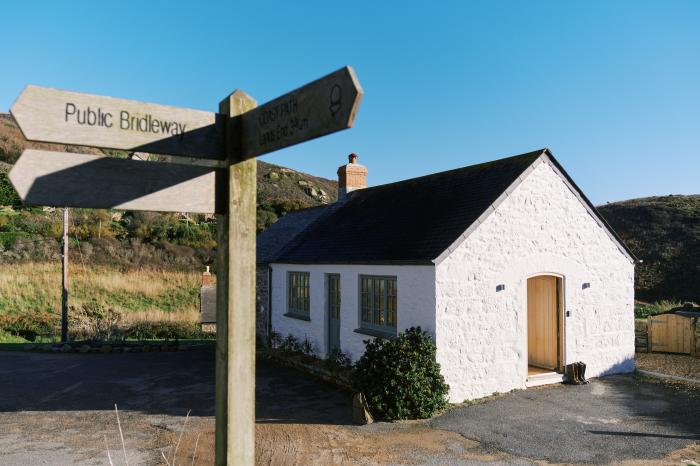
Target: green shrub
x,y
275,339
94,322
644,310
306,347
290,344
264,219
400,378
8,238
8,195
338,360
163,330
30,325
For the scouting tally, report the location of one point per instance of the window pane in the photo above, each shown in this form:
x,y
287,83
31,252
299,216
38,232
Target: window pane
x,y
298,293
378,302
391,302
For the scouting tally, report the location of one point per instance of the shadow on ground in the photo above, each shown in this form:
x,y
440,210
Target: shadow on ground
x,y
159,383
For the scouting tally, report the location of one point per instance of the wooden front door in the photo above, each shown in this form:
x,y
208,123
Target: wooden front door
x,y
543,322
333,311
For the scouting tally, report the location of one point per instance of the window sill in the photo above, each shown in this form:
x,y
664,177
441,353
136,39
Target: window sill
x,y
298,316
375,333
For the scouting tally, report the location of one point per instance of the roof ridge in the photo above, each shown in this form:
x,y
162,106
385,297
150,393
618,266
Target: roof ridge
x,y
454,170
306,209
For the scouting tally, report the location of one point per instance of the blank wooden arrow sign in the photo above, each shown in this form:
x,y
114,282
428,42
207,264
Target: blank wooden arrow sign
x,y
51,115
321,107
90,181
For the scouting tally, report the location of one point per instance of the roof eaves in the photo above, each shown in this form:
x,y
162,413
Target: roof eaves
x,y
355,262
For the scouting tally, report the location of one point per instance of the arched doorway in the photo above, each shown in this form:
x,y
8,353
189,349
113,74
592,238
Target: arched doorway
x,y
544,324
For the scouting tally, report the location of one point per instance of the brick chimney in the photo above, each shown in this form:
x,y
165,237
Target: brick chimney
x,y
208,279
351,176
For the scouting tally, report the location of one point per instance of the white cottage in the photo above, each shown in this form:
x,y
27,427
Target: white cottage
x,y
505,263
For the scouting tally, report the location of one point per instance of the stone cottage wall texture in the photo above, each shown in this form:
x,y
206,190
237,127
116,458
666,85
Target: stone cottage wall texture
x,y
540,228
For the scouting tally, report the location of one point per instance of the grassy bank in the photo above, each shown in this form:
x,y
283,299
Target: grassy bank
x,y
142,302
158,295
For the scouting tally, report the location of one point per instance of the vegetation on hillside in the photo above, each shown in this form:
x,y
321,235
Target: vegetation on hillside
x,y
664,232
30,297
137,271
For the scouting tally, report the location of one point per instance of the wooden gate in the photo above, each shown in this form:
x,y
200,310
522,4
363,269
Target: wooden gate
x,y
671,333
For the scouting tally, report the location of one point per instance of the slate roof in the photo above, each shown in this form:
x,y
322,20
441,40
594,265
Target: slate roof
x,y
271,241
412,221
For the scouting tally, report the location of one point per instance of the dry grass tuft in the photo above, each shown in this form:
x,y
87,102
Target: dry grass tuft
x,y
138,295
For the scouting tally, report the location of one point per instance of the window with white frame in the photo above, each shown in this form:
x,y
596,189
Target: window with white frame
x,y
298,294
378,303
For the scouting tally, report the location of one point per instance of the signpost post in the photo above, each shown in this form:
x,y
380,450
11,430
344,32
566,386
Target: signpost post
x,y
238,133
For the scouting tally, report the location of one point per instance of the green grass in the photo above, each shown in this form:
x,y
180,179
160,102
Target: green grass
x,y
644,310
36,287
8,338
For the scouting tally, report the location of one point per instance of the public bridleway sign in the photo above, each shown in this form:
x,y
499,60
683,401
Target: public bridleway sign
x,y
52,115
235,134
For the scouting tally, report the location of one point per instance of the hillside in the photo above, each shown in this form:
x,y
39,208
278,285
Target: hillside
x,y
128,239
664,232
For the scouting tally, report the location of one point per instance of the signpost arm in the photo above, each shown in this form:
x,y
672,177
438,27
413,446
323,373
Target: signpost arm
x,y
235,351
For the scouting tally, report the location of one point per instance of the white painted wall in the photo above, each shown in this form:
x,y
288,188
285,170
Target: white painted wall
x,y
541,228
415,302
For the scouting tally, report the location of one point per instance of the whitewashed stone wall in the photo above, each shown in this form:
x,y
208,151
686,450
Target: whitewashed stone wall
x,y
415,302
541,228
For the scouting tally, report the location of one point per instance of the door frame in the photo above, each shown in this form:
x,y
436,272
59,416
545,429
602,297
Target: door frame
x,y
326,311
561,320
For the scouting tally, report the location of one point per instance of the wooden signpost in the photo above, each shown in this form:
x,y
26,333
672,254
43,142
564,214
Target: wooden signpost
x,y
52,115
321,107
236,134
91,181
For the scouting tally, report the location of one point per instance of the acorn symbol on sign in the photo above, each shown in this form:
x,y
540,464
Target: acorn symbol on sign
x,y
336,99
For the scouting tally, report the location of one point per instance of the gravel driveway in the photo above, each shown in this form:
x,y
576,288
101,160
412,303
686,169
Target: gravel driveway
x,y
679,365
612,419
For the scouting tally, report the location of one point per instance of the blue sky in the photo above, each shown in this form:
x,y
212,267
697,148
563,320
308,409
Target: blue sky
x,y
612,88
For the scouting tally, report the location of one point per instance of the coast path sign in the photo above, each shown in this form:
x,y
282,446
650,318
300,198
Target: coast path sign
x,y
238,133
321,107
